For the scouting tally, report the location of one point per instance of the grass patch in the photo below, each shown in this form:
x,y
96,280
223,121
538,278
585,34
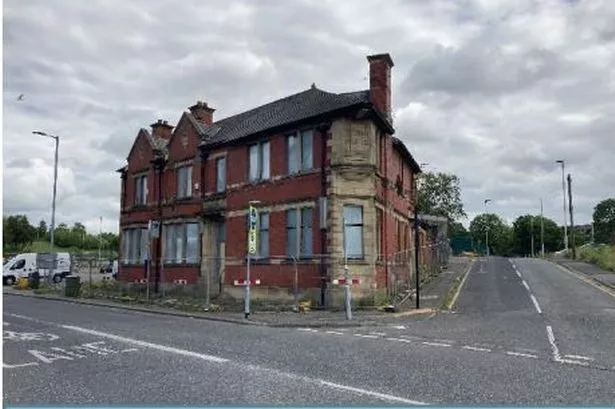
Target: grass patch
x,y
602,256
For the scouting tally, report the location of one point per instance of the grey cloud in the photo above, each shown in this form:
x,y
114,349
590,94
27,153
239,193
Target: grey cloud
x,y
479,90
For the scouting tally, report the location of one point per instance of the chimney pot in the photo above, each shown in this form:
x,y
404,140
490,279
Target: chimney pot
x,y
202,113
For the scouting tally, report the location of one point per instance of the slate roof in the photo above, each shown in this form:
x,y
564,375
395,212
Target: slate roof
x,y
399,145
292,109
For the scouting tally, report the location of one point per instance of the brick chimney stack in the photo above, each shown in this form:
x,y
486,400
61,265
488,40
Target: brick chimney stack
x,y
202,113
162,129
380,82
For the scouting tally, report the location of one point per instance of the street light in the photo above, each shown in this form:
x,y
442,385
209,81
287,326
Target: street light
x,y
253,222
563,163
486,226
55,188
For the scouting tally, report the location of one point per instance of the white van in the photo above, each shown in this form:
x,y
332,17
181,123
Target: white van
x,y
22,265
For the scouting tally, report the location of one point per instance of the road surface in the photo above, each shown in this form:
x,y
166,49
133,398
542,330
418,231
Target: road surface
x,y
524,332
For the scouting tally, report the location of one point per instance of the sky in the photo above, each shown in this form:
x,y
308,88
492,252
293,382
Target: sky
x,y
493,91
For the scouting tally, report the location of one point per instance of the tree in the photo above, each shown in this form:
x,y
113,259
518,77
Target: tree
x,y
17,233
500,234
440,195
63,236
41,231
522,233
604,221
78,234
456,229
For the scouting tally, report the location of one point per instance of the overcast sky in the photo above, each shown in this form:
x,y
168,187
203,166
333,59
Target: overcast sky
x,y
493,91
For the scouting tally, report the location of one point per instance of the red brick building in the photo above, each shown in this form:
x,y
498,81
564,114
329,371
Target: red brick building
x,y
325,167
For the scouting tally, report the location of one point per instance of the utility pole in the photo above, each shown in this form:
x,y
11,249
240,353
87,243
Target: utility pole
x,y
100,239
542,231
486,227
574,252
532,236
417,248
562,162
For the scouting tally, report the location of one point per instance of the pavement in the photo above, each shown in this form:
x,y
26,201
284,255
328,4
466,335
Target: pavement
x,y
592,271
522,332
431,298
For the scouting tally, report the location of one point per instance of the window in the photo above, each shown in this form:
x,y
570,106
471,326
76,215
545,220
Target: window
x,y
19,265
353,231
184,181
181,243
135,245
263,235
221,174
259,161
300,151
141,190
299,232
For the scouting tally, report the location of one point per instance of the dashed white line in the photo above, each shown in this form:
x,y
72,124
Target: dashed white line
x,y
399,327
380,334
129,350
334,332
307,329
523,354
535,301
584,358
399,340
436,344
518,274
527,287
365,336
471,348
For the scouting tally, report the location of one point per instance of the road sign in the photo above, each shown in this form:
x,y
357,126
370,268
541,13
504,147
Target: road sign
x,y
243,282
342,281
252,236
46,261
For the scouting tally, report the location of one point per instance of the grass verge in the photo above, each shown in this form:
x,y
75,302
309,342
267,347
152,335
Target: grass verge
x,y
602,256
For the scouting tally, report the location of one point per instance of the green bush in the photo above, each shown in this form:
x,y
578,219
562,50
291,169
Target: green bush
x,y
602,256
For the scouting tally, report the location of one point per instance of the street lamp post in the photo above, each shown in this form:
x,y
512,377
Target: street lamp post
x,y
55,189
563,163
486,227
542,231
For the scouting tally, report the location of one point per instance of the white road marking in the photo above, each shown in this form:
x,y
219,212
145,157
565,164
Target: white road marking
x,y
572,361
129,350
383,396
521,354
334,332
585,358
586,280
216,359
307,329
399,340
446,341
436,344
399,327
381,334
471,348
527,287
554,348
518,274
535,301
144,344
365,336
8,366
412,337
463,281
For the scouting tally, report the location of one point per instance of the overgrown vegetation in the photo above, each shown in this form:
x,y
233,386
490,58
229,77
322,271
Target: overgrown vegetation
x,y
603,256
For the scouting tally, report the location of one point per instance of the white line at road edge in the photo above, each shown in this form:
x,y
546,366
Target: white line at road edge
x,y
535,301
212,358
463,281
585,279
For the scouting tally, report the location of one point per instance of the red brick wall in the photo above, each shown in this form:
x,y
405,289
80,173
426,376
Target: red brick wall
x,y
171,273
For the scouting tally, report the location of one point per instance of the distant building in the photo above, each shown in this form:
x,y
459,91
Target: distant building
x,y
312,159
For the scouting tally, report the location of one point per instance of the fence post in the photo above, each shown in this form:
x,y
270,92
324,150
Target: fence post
x,y
90,277
296,285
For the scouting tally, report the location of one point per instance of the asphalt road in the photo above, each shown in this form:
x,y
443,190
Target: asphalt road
x,y
495,349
